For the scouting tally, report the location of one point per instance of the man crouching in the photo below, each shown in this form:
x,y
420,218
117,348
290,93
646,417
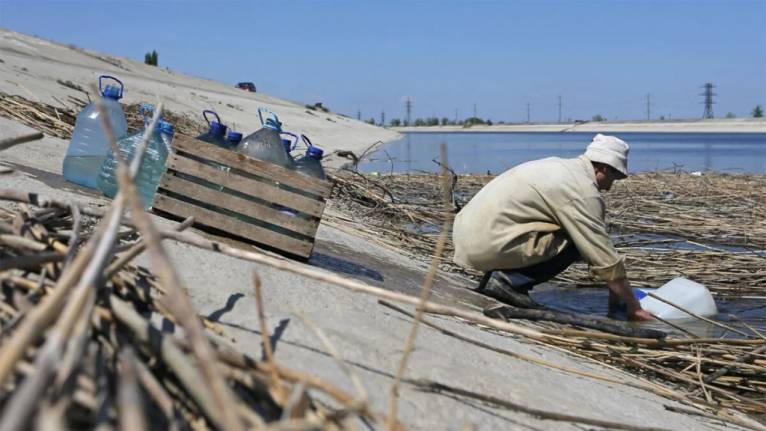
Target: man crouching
x,y
533,221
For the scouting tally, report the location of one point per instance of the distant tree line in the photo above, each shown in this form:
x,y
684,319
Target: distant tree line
x,y
150,58
435,121
757,112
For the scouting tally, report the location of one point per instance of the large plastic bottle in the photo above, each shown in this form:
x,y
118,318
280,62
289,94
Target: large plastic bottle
x,y
311,163
265,143
683,292
289,141
152,166
89,144
216,132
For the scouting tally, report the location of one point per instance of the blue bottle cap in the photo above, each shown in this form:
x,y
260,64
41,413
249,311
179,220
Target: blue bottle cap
x,y
314,152
112,92
217,129
146,109
165,127
234,137
288,144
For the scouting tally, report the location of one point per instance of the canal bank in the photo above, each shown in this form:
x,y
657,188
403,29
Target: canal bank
x,y
712,125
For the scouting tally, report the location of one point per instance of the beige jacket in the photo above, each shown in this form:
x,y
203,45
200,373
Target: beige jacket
x,y
531,213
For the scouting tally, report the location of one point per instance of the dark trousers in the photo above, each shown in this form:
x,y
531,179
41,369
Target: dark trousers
x,y
524,279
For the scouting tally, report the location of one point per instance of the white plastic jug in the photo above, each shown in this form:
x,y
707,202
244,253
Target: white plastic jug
x,y
683,292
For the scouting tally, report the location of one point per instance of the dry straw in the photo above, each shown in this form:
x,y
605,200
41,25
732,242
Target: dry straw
x,y
108,312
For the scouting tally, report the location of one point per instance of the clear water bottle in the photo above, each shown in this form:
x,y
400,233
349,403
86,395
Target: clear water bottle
x,y
311,163
152,166
289,141
265,143
89,145
216,132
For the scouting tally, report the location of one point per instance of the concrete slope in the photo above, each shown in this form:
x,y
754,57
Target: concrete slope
x,y
370,337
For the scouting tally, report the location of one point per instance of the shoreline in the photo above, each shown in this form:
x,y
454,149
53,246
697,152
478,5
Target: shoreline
x,y
736,125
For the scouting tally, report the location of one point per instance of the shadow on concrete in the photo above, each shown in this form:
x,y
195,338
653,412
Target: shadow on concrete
x,y
487,408
482,408
276,334
336,264
53,180
215,315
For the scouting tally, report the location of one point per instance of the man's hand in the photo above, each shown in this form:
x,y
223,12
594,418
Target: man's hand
x,y
640,315
620,289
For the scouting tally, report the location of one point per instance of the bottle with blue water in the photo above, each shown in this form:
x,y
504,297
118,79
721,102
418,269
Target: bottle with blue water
x,y
152,166
265,143
89,145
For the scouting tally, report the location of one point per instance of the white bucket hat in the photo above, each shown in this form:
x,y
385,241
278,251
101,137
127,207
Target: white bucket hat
x,y
609,150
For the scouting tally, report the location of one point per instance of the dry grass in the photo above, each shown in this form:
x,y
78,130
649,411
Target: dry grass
x,y
707,228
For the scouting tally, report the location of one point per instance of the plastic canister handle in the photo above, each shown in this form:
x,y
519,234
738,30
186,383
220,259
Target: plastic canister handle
x,y
207,111
146,111
267,111
102,77
307,141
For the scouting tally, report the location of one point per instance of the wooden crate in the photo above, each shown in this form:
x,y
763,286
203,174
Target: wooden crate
x,y
250,190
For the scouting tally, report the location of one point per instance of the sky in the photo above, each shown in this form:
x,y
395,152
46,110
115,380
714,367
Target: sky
x,y
507,60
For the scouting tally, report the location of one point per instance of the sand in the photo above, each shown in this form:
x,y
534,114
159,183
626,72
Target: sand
x,y
369,336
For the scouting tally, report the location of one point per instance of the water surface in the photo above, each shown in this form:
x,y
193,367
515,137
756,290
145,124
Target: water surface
x,y
496,152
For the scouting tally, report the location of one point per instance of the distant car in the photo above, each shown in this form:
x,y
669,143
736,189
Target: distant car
x,y
247,86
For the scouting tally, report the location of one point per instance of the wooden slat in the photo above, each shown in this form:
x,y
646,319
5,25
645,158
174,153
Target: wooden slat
x,y
231,225
238,205
252,166
263,190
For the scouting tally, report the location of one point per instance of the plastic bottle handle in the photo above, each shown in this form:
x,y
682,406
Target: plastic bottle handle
x,y
102,77
260,115
146,110
307,141
207,111
295,139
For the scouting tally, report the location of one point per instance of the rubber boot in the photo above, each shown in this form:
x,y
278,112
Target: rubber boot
x,y
509,288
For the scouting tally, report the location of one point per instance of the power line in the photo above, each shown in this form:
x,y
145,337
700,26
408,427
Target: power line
x,y
408,106
648,106
527,112
708,113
